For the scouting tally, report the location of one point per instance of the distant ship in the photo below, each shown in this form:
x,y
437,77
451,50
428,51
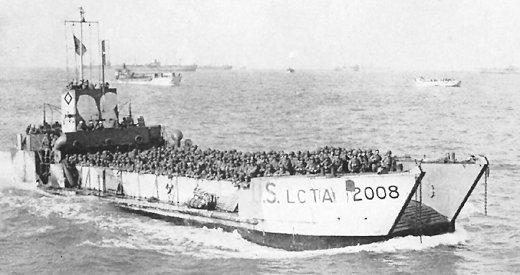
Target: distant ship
x,y
290,70
156,66
127,76
215,68
354,68
508,70
180,68
445,82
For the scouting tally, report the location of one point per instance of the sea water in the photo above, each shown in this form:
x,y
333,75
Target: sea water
x,y
271,110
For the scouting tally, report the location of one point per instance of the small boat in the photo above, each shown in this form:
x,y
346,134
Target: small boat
x,y
125,75
445,82
290,70
180,68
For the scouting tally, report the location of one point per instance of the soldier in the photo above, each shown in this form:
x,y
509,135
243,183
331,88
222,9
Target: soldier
x,y
287,165
312,166
388,161
375,160
337,166
354,164
90,125
300,168
326,165
365,167
99,125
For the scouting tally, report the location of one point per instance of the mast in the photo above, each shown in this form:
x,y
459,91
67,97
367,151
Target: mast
x,y
81,22
103,60
43,113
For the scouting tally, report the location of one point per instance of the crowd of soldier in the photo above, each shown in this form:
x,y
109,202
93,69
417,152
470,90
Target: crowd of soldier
x,y
92,125
84,85
213,164
49,134
44,128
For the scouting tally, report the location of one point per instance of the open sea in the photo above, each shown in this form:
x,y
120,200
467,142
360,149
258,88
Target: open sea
x,y
273,110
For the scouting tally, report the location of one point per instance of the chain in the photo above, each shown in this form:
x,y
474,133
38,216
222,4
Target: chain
x,y
486,190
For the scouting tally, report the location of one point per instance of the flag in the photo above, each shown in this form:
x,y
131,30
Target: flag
x,y
103,52
116,111
76,46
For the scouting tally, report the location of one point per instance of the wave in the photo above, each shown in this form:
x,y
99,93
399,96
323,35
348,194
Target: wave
x,y
142,233
7,176
107,227
216,244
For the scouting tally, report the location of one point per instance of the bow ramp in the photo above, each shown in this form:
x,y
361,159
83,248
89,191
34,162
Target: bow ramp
x,y
441,196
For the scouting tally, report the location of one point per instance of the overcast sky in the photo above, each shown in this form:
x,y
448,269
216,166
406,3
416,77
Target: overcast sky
x,y
397,34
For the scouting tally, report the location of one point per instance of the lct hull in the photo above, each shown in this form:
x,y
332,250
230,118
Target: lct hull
x,y
295,212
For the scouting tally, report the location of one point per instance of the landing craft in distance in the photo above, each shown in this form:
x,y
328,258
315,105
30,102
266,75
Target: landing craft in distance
x,y
445,82
156,66
126,76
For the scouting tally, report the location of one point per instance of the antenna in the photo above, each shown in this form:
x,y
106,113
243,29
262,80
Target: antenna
x,y
82,20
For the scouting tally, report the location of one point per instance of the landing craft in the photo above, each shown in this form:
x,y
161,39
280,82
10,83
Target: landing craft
x,y
156,66
127,76
292,212
446,82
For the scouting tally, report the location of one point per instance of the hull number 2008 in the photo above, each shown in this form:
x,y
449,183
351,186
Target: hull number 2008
x,y
328,195
370,193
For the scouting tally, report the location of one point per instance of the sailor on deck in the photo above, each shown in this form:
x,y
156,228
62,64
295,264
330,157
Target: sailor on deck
x,y
81,126
99,125
90,126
